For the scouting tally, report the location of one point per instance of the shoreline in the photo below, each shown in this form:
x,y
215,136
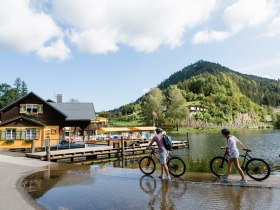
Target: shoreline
x,y
184,131
13,171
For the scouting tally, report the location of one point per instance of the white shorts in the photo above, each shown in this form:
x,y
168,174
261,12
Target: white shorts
x,y
234,154
163,157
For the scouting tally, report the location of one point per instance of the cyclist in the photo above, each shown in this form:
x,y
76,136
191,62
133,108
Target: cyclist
x,y
232,150
162,153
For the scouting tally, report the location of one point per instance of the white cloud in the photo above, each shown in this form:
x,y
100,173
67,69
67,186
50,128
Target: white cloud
x,y
99,26
95,41
249,13
240,15
209,36
56,50
24,29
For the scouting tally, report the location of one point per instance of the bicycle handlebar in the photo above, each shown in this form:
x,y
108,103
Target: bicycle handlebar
x,y
247,150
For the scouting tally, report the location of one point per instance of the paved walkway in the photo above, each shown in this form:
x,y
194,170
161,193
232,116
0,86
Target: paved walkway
x,y
13,169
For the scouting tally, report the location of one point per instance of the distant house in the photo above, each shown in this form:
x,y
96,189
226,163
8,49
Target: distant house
x,y
31,117
196,109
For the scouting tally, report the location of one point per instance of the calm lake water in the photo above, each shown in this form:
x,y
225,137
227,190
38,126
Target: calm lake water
x,y
119,184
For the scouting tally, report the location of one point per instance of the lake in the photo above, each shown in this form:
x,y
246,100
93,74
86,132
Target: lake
x,y
119,184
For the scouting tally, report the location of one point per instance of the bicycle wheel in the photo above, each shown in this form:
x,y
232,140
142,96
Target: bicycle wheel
x,y
219,165
257,169
147,165
176,166
148,184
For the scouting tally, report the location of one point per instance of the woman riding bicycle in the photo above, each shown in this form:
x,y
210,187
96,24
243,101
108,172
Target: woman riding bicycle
x,y
162,153
232,150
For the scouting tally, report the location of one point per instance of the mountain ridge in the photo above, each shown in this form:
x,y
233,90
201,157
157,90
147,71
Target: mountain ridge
x,y
225,94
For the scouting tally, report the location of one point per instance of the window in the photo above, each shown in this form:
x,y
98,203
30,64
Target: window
x,y
30,133
32,108
10,134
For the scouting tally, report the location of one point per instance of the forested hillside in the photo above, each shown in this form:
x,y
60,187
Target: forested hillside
x,y
260,90
207,93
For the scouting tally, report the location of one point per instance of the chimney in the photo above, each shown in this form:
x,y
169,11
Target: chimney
x,y
59,98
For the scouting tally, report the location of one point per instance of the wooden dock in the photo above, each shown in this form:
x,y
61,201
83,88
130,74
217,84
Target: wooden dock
x,y
101,151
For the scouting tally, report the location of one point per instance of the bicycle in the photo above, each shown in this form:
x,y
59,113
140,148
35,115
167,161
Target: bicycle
x,y
176,165
255,168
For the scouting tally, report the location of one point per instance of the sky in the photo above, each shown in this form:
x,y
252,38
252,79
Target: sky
x,y
112,52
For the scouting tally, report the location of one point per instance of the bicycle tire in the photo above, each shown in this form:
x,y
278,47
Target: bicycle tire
x,y
147,165
176,166
257,169
217,167
148,184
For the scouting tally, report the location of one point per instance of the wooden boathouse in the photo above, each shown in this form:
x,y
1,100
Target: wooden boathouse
x,y
32,120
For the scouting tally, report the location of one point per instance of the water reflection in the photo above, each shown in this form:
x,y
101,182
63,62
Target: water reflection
x,y
161,197
180,195
101,187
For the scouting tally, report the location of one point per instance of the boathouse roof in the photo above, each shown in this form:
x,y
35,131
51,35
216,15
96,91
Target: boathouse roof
x,y
76,111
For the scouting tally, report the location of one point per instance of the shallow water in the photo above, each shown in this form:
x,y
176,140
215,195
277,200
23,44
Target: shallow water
x,y
118,183
94,187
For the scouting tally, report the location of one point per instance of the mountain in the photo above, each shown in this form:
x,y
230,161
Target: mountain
x,y
261,90
226,96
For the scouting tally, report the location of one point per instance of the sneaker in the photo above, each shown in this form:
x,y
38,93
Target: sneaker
x,y
168,178
224,178
243,181
160,176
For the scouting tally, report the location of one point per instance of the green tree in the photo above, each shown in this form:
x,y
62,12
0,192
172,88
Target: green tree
x,y
177,110
9,94
152,107
276,122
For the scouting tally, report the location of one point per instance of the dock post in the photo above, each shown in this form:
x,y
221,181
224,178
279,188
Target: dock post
x,y
48,153
33,146
122,142
188,140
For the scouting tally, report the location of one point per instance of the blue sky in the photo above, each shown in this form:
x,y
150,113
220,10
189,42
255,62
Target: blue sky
x,y
110,52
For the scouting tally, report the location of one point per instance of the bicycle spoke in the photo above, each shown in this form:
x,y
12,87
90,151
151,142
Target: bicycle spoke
x,y
218,166
258,169
147,165
176,166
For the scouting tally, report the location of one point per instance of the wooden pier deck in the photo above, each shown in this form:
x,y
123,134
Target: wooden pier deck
x,y
98,151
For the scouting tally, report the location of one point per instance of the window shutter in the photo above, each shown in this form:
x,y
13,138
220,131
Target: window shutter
x,y
17,134
37,134
3,135
23,135
40,108
22,108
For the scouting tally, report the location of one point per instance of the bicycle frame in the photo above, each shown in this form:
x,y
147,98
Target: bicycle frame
x,y
153,153
245,157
